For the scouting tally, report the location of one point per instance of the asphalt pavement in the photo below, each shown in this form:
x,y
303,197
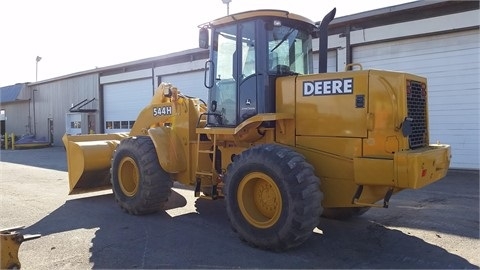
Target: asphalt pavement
x,y
436,227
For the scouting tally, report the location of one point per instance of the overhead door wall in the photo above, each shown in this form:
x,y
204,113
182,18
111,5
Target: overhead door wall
x,y
189,83
123,102
331,61
450,62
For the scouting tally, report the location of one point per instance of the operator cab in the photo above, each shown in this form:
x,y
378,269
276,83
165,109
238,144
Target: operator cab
x,y
249,51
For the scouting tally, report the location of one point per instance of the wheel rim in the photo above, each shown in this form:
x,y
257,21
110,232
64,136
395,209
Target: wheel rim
x,y
259,200
128,176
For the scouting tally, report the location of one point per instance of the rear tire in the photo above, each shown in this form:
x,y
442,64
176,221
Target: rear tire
x,y
273,197
139,183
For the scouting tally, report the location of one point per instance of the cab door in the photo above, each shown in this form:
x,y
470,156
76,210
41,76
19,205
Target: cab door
x,y
233,97
247,75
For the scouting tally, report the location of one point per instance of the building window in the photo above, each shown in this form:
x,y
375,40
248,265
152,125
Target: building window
x,y
119,124
76,124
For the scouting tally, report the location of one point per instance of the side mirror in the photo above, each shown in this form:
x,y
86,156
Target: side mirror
x,y
203,38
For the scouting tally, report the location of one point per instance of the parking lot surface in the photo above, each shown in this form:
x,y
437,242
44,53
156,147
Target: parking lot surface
x,y
434,227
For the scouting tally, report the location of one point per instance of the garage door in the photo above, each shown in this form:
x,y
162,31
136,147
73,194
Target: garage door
x,y
331,61
450,62
190,83
123,102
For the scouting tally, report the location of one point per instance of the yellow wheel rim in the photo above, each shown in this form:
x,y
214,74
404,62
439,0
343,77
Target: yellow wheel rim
x,y
128,176
259,200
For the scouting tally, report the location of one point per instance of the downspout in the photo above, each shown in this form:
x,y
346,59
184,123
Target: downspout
x,y
34,120
29,116
101,107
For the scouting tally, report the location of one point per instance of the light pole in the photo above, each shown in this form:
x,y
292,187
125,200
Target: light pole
x,y
36,67
227,2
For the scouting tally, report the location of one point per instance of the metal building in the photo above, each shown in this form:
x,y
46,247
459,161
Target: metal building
x,y
435,39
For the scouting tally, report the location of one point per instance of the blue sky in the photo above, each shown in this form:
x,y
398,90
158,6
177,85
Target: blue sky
x,y
74,35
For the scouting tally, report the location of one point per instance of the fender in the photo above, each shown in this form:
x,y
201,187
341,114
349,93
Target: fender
x,y
169,148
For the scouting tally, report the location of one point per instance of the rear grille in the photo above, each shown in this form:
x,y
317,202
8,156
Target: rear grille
x,y
417,112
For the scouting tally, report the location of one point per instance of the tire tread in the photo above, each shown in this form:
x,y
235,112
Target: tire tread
x,y
155,184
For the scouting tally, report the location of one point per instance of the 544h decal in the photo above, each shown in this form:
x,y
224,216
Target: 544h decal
x,y
164,110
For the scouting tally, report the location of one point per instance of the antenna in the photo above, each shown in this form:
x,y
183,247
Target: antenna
x,y
227,2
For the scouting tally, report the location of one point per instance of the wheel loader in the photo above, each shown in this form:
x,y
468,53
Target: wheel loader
x,y
281,145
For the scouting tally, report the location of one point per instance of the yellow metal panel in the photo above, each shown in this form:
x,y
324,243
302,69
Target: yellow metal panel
x,y
409,169
337,192
387,108
336,154
369,171
10,242
332,104
285,103
337,175
334,169
147,118
418,168
257,119
340,193
216,130
169,148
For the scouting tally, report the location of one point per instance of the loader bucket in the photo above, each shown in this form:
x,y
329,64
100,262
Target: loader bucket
x,y
88,159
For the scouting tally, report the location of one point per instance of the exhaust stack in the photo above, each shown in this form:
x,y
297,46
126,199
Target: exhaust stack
x,y
323,41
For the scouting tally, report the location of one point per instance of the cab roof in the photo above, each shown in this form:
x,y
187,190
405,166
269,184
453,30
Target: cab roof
x,y
258,13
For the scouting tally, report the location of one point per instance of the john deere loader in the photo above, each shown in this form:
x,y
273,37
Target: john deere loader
x,y
282,145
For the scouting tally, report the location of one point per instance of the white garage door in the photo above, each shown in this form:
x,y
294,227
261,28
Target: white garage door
x,y
190,83
450,62
123,102
331,61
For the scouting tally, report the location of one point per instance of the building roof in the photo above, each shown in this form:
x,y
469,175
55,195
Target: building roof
x,y
414,10
411,11
171,58
10,93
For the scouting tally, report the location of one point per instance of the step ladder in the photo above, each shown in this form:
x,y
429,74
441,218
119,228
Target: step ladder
x,y
210,172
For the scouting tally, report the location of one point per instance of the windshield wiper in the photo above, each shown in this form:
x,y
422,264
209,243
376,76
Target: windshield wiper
x,y
283,39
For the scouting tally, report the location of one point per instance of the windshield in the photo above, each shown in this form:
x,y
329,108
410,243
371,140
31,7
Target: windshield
x,y
289,50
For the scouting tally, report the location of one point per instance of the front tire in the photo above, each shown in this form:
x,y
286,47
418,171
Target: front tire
x,y
273,197
139,183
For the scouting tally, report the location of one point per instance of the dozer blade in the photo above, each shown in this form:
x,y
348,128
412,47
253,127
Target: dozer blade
x,y
88,159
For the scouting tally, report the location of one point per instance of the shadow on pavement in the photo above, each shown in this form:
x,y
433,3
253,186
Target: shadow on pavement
x,y
442,207
53,158
203,239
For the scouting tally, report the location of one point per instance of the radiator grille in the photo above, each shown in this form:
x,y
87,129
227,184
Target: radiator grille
x,y
417,112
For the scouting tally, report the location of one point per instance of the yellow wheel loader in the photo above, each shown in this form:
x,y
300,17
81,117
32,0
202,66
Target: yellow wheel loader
x,y
282,145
